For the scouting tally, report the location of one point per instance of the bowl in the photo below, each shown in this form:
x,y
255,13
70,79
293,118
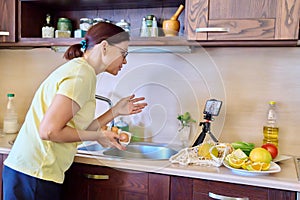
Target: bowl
x,y
127,135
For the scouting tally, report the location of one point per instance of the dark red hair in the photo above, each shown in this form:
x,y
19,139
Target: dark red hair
x,y
96,34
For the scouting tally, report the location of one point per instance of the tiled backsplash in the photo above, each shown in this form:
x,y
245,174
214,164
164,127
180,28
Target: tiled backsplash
x,y
245,79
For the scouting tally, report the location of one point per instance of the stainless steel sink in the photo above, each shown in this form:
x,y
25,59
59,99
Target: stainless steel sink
x,y
152,151
94,147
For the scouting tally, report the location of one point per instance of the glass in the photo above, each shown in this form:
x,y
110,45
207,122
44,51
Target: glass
x,y
123,51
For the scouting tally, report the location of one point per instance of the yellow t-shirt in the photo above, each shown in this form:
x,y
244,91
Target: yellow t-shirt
x,y
48,160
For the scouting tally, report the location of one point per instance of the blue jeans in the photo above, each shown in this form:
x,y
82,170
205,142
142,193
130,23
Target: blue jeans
x,y
19,186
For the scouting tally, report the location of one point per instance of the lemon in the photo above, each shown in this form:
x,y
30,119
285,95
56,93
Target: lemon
x,y
246,163
259,154
255,166
203,151
235,162
239,154
215,152
265,166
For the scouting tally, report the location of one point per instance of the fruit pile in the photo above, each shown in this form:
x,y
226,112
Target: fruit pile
x,y
259,158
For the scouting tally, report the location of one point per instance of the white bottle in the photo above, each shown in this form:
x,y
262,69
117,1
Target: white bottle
x,y
144,29
10,122
154,29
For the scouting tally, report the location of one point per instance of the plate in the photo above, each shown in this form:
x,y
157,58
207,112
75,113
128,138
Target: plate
x,y
280,158
274,168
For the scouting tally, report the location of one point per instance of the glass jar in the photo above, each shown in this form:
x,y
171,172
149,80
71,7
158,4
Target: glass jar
x,y
97,20
64,24
85,23
124,24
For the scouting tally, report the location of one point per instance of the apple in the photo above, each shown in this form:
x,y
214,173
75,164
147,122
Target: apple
x,y
271,148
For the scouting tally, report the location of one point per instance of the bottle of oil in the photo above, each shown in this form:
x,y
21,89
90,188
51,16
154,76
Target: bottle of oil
x,y
271,128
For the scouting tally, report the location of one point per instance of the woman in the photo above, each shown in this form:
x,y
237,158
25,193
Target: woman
x,y
62,115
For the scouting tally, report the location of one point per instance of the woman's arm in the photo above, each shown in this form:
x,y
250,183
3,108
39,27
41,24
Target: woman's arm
x,y
126,106
54,127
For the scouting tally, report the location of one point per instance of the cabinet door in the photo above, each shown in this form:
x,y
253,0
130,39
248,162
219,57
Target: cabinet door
x,y
8,21
181,188
202,188
242,19
95,182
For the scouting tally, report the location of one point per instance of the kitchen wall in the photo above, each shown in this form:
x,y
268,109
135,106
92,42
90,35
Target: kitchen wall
x,y
245,79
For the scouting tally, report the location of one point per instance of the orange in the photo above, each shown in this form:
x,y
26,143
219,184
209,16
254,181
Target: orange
x,y
259,154
114,129
123,137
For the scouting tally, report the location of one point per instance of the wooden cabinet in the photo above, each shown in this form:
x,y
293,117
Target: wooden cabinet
x,y
94,182
8,21
225,20
205,190
204,22
32,17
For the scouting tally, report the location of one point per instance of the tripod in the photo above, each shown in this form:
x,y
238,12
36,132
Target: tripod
x,y
205,130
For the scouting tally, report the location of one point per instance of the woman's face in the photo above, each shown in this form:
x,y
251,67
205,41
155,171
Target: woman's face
x,y
116,57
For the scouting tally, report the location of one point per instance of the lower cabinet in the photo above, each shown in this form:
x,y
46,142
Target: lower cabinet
x,y
207,190
90,182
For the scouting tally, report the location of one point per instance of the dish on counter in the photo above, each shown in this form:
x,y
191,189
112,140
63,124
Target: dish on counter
x,y
274,168
280,158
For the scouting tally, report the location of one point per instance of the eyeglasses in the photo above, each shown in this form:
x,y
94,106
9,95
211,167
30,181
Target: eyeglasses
x,y
123,51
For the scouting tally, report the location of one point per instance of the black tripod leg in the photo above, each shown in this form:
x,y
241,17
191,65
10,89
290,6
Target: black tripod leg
x,y
199,139
213,137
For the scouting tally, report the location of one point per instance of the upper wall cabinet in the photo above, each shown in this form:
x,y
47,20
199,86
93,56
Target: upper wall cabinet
x,y
232,20
32,17
8,21
203,22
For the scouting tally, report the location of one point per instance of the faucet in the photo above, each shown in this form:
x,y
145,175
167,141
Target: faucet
x,y
107,100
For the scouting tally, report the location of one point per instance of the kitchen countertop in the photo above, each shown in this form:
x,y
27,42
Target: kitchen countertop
x,y
286,179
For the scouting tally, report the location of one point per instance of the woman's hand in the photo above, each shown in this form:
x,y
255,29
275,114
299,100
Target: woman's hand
x,y
129,105
109,139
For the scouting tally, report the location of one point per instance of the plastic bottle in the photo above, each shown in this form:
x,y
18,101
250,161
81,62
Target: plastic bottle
x,y
154,29
144,29
122,125
271,128
10,122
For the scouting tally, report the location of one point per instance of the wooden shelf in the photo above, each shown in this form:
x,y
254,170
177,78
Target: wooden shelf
x,y
151,41
137,41
73,5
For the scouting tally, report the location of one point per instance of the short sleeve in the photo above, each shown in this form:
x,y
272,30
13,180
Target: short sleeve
x,y
78,86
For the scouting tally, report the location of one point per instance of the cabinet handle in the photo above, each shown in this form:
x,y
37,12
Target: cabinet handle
x,y
4,33
212,29
96,176
221,197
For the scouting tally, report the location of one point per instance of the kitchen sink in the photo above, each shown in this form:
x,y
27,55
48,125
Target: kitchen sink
x,y
138,150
